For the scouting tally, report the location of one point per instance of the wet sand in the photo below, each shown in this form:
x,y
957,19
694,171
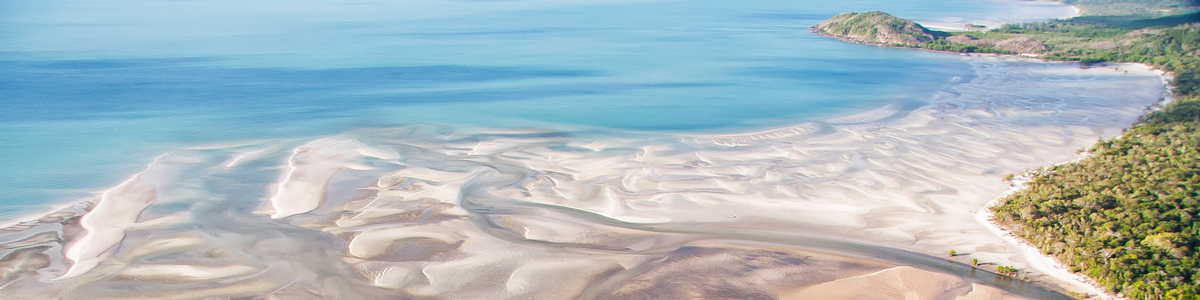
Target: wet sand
x,y
869,203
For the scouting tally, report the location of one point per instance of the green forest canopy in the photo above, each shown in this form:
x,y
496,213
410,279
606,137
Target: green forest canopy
x,y
1126,216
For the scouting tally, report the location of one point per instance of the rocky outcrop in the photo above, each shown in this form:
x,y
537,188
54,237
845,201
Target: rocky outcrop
x,y
875,27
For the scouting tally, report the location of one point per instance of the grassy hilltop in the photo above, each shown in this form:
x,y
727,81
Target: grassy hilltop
x,y
875,27
1127,215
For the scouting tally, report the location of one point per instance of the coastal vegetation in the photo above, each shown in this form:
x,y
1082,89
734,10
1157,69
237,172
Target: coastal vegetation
x,y
1127,214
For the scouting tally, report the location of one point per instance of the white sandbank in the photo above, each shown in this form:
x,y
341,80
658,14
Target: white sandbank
x,y
116,211
175,273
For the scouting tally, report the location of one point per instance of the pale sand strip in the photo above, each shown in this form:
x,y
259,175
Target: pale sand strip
x,y
116,211
872,115
184,273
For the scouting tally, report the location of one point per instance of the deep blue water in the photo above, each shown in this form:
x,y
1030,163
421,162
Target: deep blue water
x,y
91,91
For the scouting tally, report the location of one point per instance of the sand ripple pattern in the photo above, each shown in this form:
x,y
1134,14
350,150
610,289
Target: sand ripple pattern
x,y
856,206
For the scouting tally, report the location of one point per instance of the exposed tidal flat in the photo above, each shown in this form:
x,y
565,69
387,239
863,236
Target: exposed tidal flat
x,y
860,205
593,151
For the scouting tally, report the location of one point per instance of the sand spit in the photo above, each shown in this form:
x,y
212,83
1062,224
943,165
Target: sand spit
x,y
869,203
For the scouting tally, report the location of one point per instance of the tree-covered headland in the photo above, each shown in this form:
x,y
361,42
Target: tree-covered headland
x,y
1127,214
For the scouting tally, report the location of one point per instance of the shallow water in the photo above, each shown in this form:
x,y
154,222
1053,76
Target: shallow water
x,y
482,150
93,89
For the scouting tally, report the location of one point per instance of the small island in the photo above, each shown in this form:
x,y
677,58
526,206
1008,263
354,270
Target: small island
x,y
875,28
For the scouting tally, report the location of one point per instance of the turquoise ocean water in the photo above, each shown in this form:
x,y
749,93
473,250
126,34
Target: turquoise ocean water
x,y
91,91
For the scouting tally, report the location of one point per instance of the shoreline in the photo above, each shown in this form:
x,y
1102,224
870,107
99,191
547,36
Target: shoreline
x,y
1033,256
1045,263
1036,259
